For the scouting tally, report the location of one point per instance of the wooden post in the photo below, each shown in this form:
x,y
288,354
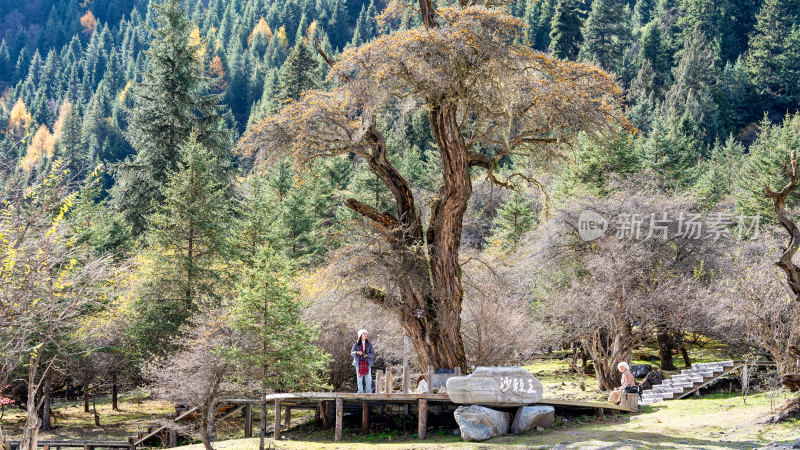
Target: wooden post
x,y
379,381
173,437
324,410
288,419
745,379
430,379
422,422
599,412
406,380
364,418
457,371
276,434
131,440
248,420
318,412
339,417
388,388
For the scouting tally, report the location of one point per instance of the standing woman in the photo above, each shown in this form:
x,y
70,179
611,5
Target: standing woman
x,y
363,355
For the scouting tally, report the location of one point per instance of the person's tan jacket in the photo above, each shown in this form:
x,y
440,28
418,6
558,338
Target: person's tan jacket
x,y
627,379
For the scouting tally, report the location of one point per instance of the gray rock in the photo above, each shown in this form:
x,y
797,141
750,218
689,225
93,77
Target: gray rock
x,y
495,386
530,417
641,370
478,423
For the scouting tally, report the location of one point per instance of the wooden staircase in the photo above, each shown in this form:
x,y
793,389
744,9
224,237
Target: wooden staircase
x,y
158,435
689,381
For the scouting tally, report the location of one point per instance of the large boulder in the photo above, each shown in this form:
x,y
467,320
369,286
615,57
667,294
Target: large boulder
x,y
641,370
530,417
478,423
495,386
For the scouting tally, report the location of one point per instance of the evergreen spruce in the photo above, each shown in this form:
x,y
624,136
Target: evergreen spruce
x,y
189,244
565,35
298,74
602,32
773,59
273,338
170,104
514,219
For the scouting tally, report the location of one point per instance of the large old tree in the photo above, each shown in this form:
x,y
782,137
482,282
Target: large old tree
x,y
487,94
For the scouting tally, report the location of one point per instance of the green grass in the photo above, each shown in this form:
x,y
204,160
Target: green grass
x,y
136,412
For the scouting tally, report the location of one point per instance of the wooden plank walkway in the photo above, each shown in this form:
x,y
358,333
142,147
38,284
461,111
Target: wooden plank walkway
x,y
310,399
316,401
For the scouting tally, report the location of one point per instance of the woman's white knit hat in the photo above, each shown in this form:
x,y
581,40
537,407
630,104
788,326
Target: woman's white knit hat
x,y
623,364
360,332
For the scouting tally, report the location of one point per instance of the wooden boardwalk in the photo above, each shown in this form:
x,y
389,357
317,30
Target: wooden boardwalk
x,y
319,401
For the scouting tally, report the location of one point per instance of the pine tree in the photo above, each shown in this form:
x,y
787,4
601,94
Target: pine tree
x,y
671,151
298,74
604,34
515,218
643,11
274,340
720,172
765,166
188,245
6,69
538,17
298,227
565,36
653,50
773,59
70,146
694,88
170,104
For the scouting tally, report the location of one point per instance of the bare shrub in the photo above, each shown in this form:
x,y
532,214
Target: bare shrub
x,y
757,305
612,293
339,313
197,374
497,325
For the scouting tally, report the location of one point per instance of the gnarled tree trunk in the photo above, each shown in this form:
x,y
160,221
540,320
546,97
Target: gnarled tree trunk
x,y
429,308
792,363
666,343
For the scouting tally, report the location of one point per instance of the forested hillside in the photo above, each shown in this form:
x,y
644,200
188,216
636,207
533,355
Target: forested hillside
x,y
204,188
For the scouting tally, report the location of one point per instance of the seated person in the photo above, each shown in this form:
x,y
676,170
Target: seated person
x,y
627,380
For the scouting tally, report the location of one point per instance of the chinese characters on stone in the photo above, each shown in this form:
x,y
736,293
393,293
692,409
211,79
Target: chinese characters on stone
x,y
517,385
688,226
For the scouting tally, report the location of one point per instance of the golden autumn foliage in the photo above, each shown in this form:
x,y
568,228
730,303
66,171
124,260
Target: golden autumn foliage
x,y
282,38
519,99
196,42
89,23
43,143
123,94
19,120
262,28
311,31
216,70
